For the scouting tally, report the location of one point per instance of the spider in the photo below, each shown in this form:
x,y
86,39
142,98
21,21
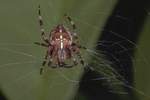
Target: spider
x,y
62,45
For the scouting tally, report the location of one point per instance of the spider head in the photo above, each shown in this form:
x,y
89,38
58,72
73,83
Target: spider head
x,y
60,28
60,35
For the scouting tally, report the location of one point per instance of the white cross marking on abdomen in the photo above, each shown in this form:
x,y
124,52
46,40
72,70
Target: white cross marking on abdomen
x,y
61,42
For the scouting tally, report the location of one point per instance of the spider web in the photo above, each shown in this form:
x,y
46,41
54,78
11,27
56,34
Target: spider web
x,y
12,66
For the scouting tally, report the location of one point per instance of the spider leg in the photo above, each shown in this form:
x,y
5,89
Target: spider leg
x,y
81,59
82,47
72,24
71,21
72,65
76,49
76,42
75,61
41,44
41,26
44,62
77,45
49,62
86,66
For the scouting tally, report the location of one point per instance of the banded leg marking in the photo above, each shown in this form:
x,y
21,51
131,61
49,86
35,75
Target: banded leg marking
x,y
41,26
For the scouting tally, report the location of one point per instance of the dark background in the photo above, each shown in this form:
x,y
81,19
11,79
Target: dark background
x,y
127,20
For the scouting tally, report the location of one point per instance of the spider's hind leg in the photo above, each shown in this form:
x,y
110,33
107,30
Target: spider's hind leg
x,y
81,59
44,62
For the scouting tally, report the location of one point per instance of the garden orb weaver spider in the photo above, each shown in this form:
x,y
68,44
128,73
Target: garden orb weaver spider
x,y
62,45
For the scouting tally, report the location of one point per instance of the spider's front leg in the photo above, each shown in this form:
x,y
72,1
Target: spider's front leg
x,y
73,26
41,26
71,21
41,44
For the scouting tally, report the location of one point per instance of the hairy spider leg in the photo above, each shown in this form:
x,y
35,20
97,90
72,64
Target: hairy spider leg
x,y
44,62
49,62
76,42
41,44
81,59
73,26
71,21
41,26
86,66
74,63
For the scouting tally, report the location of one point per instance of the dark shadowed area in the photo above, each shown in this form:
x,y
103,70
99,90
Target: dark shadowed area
x,y
2,97
123,29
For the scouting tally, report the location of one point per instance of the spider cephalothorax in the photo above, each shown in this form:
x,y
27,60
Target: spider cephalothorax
x,y
62,46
